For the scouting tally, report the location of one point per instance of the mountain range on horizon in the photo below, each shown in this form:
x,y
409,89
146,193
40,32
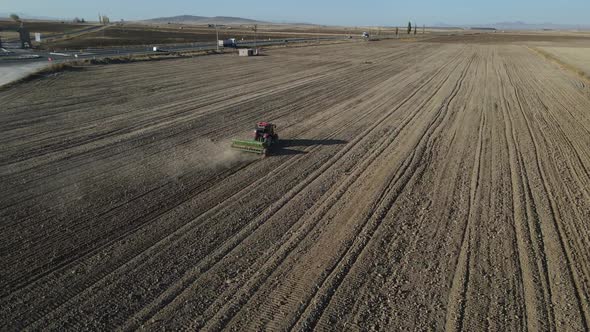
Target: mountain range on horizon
x,y
228,20
516,25
520,25
191,19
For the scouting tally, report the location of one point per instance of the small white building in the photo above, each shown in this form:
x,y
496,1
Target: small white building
x,y
246,52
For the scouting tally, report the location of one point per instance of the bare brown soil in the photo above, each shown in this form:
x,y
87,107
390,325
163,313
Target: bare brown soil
x,y
125,35
419,186
50,30
43,26
511,37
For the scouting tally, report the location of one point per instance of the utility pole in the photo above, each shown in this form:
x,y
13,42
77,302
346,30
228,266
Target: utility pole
x,y
217,36
318,35
255,28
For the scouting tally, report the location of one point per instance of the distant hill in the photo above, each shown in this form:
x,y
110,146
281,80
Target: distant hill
x,y
536,26
190,19
518,25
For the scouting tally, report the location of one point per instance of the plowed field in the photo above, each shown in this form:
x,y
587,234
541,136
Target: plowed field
x,y
418,186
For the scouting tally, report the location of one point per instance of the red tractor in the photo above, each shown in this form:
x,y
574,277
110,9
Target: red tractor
x,y
264,137
265,132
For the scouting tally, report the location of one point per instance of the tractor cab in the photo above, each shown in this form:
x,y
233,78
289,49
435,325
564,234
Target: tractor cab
x,y
264,131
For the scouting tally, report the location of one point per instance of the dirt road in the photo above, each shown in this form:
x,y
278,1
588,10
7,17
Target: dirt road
x,y
11,72
418,186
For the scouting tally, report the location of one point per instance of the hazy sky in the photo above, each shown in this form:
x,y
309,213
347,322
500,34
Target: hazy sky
x,y
343,12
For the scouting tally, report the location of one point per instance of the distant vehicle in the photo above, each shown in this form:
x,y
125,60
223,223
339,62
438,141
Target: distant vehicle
x,y
227,42
365,34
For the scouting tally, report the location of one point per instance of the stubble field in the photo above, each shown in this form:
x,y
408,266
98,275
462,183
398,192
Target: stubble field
x,y
418,186
576,58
